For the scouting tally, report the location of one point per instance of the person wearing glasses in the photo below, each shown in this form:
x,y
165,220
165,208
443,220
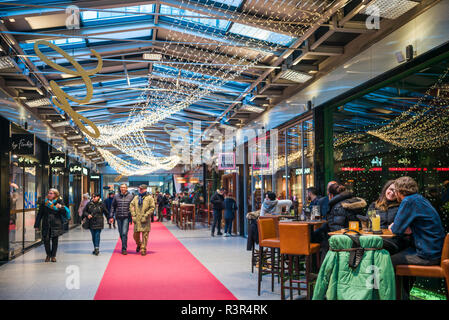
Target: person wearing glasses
x,y
51,213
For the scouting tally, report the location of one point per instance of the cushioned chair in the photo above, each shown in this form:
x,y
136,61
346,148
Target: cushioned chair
x,y
441,271
294,243
268,264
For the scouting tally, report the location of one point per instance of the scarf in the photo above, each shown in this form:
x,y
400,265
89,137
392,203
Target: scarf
x,y
51,204
141,196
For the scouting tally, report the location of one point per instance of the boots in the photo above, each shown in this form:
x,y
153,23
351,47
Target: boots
x,y
47,259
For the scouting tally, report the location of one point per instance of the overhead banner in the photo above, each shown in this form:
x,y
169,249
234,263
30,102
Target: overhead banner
x,y
22,144
57,160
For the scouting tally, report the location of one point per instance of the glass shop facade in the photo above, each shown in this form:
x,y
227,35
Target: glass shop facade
x,y
24,182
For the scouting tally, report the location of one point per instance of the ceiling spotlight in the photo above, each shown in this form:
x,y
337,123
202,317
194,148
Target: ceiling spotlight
x,y
152,56
251,108
295,76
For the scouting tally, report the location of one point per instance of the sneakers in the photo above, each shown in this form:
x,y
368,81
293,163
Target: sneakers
x,y
219,234
227,235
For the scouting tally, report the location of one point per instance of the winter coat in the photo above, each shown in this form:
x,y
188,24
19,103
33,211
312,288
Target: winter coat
x,y
108,203
52,220
230,207
372,279
253,234
96,210
141,214
120,206
344,208
324,206
386,217
217,201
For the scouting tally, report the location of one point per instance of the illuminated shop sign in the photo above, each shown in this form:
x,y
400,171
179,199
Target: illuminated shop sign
x,y
407,169
85,171
302,171
27,161
95,177
57,159
352,169
441,169
22,144
404,161
75,168
376,162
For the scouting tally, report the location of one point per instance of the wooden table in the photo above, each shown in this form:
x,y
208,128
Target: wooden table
x,y
386,233
183,205
313,224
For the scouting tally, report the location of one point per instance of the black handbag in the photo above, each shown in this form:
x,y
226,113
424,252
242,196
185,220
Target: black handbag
x,y
86,223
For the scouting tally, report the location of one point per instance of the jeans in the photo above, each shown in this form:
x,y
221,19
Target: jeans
x,y
217,220
51,250
96,237
228,225
123,227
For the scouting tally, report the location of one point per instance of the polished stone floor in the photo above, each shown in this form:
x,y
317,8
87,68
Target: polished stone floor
x,y
29,277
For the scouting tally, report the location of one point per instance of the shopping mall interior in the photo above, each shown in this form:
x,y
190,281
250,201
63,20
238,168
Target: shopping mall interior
x,y
179,119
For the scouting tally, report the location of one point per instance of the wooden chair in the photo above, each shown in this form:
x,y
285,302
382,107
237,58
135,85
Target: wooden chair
x,y
441,271
268,264
294,243
187,216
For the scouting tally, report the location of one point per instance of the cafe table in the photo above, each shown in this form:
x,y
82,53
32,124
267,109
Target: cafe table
x,y
311,223
386,233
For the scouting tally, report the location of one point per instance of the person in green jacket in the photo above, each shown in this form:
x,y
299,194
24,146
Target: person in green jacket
x,y
372,279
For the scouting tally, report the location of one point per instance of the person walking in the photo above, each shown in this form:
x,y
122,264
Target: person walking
x,y
51,213
108,203
141,208
230,207
83,203
120,212
161,204
94,212
217,201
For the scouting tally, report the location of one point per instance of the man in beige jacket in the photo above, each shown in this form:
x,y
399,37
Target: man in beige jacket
x,y
141,208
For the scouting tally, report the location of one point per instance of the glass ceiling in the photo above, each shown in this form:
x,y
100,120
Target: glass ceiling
x,y
121,12
215,23
261,34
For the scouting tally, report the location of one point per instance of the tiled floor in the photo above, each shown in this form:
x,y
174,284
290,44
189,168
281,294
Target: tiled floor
x,y
29,277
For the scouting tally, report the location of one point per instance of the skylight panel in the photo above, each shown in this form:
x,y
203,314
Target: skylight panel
x,y
120,12
260,34
180,13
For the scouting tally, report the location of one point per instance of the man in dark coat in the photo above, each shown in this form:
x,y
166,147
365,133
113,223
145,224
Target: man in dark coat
x,y
217,201
94,212
108,203
51,212
120,211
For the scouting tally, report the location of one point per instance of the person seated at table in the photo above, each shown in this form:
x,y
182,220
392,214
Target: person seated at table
x,y
312,197
272,206
387,207
343,207
324,201
417,216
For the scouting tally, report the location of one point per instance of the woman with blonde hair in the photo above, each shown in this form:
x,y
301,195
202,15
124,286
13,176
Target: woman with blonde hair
x,y
51,213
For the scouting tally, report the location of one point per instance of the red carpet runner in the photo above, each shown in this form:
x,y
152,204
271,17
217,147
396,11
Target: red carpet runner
x,y
168,272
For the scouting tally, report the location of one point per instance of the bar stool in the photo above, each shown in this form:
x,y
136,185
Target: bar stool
x,y
255,252
267,239
441,271
295,242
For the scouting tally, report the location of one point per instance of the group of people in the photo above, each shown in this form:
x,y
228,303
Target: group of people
x,y
223,201
122,209
416,225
